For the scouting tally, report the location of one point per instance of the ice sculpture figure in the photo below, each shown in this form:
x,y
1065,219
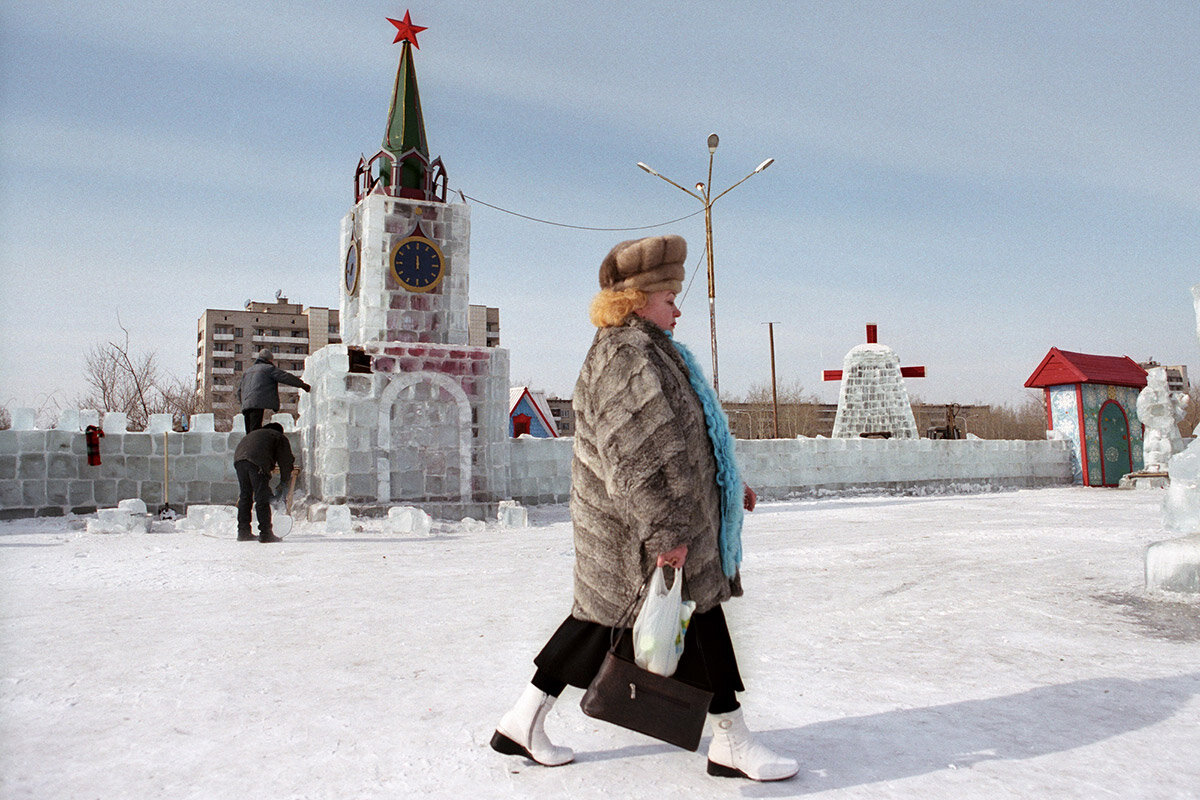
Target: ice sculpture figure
x,y
1174,565
1181,507
1160,410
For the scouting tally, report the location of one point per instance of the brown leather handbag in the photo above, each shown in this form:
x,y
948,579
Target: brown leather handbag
x,y
627,695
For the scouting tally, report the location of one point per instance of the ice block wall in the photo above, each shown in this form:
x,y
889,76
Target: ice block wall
x,y
540,469
46,472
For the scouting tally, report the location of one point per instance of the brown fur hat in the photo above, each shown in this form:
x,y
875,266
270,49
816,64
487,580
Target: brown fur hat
x,y
653,264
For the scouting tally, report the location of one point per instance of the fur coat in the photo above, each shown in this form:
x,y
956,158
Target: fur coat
x,y
643,477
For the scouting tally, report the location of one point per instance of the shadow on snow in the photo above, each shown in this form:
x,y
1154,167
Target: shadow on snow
x,y
900,744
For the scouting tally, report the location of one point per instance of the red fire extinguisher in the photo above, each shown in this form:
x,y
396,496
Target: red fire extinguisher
x,y
93,436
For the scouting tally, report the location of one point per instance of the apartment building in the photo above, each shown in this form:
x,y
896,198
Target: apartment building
x,y
483,326
1177,375
227,341
564,415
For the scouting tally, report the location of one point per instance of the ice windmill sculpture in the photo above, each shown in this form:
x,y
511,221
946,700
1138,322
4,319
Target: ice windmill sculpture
x,y
873,401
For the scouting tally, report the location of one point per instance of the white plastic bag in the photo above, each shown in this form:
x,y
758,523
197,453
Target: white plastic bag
x,y
660,626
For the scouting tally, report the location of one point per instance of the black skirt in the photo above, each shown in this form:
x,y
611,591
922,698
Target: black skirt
x,y
575,651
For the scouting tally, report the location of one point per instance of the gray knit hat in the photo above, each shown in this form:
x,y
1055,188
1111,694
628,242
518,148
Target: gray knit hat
x,y
265,355
653,264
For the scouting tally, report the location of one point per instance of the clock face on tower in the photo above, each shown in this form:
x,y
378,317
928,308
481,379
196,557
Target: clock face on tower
x,y
350,272
417,263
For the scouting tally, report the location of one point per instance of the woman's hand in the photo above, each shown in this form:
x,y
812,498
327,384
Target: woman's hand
x,y
749,498
673,558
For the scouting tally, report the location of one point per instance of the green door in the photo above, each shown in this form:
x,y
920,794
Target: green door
x,y
1115,459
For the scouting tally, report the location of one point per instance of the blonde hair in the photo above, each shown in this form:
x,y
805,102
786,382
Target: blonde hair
x,y
610,309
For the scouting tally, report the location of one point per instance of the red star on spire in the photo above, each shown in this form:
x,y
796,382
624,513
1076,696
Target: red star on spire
x,y
405,30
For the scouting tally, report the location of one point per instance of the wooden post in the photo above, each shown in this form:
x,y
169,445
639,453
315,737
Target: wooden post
x,y
774,395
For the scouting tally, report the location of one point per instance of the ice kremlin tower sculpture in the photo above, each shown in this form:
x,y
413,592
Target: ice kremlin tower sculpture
x,y
404,412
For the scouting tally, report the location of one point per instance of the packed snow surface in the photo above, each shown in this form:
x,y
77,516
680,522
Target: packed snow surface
x,y
975,646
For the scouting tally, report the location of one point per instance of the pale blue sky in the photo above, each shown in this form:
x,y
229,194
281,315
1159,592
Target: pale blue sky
x,y
983,180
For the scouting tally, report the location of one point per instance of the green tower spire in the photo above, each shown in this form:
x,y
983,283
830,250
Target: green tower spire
x,y
406,126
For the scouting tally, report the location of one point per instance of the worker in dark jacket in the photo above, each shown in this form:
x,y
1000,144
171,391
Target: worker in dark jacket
x,y
257,454
259,388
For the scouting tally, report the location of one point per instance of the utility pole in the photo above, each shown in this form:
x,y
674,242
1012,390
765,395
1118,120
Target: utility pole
x,y
774,395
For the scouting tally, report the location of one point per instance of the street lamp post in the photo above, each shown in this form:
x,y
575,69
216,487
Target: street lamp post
x,y
703,193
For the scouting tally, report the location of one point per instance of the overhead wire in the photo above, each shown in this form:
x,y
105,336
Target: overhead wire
x,y
695,270
465,197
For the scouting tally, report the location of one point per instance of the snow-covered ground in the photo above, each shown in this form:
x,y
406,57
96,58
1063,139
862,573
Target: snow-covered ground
x,y
980,646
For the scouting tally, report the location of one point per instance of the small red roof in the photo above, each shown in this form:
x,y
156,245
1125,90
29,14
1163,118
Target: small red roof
x,y
1060,367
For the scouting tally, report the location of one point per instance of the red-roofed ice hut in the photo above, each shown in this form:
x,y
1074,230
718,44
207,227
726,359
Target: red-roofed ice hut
x,y
1091,401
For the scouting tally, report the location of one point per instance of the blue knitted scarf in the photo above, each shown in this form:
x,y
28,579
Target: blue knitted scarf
x,y
729,480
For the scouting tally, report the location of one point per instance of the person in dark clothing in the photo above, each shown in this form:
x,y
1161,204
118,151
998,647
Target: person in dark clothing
x,y
259,388
256,455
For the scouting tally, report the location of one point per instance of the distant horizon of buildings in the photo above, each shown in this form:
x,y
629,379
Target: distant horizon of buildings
x,y
227,341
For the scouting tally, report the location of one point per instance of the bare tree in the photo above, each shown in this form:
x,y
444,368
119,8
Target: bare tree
x,y
45,414
1024,420
133,383
753,417
182,400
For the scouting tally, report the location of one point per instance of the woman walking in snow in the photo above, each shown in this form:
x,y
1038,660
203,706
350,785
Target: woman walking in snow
x,y
653,483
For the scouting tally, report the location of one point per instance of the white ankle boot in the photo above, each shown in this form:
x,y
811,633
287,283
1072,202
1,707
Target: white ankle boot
x,y
735,753
522,731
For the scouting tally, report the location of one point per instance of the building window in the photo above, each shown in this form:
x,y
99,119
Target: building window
x,y
258,331
238,332
237,348
275,331
237,366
